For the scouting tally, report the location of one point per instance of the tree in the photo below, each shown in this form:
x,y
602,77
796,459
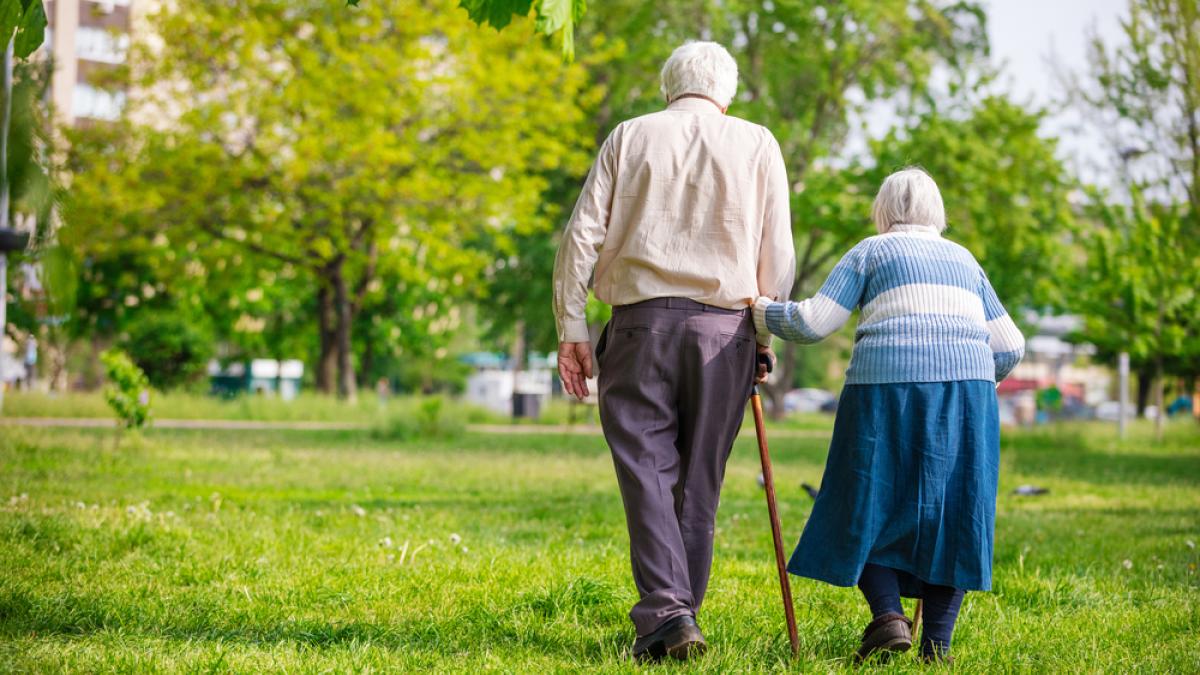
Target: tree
x,y
171,347
1005,191
1144,98
1138,287
808,70
377,163
1140,271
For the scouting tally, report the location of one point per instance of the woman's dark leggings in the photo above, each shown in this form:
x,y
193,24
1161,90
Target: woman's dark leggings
x,y
881,587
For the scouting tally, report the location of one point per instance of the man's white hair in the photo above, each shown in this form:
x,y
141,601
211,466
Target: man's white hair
x,y
908,197
704,68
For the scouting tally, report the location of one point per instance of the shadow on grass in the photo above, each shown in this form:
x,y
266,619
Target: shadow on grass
x,y
580,621
1072,456
554,623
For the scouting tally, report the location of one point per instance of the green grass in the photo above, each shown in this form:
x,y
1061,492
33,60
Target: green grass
x,y
177,405
221,550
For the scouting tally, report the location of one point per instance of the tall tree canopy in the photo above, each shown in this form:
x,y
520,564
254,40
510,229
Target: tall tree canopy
x,y
1144,98
1137,285
1005,191
376,161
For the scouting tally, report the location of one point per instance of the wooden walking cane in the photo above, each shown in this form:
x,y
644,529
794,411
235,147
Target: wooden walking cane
x,y
769,485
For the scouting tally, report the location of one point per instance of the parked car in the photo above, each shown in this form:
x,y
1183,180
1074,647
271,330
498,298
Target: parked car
x,y
808,400
1109,410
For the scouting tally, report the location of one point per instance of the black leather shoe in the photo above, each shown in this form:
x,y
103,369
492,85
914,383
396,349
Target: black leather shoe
x,y
885,635
679,638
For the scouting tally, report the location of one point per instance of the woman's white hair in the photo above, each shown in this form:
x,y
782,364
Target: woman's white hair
x,y
704,68
908,197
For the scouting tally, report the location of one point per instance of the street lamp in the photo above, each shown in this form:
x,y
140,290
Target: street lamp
x,y
1126,155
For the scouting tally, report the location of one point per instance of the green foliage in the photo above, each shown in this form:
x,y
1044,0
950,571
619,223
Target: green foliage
x,y
1006,202
1137,289
171,347
1137,285
552,16
128,390
596,312
1143,96
28,19
496,13
322,172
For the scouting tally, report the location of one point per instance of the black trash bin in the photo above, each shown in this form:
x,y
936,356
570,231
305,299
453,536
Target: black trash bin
x,y
527,406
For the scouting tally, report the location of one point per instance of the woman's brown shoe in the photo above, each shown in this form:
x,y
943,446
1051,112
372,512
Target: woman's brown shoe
x,y
888,633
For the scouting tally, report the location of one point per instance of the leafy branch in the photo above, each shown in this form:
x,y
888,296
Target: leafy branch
x,y
551,16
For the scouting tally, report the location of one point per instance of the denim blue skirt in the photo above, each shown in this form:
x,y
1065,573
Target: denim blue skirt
x,y
910,483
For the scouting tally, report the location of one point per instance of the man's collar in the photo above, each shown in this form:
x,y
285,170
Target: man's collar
x,y
913,228
694,103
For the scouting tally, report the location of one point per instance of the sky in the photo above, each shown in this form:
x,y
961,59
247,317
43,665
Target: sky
x,y
1028,35
1033,41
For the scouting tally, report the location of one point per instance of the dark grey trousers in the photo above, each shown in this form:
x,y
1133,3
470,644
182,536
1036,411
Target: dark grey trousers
x,y
675,376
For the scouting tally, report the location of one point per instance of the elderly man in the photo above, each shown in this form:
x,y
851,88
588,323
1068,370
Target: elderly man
x,y
684,218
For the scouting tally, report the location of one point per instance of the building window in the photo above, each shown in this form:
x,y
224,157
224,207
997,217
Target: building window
x,y
89,102
98,44
106,6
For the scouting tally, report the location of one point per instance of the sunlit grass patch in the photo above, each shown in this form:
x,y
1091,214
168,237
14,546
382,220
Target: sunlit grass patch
x,y
339,551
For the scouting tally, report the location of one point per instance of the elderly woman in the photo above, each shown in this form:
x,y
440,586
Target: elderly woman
x,y
907,503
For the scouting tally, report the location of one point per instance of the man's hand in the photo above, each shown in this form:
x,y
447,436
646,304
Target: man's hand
x,y
575,367
762,368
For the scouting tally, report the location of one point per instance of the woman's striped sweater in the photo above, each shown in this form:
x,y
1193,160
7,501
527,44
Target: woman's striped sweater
x,y
928,312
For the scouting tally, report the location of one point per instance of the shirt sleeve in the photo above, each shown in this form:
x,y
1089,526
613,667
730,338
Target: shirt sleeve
x,y
814,319
580,246
1008,345
776,252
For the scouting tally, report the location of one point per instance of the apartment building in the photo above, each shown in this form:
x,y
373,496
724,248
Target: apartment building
x,y
87,40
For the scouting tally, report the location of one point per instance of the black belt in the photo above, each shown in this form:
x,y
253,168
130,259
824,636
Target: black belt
x,y
678,303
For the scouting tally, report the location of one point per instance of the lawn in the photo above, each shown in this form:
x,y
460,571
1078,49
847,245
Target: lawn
x,y
336,551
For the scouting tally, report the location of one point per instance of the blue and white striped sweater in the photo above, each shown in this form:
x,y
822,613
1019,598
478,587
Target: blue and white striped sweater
x,y
928,312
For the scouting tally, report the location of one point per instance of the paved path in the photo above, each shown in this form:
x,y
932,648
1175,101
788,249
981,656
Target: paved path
x,y
255,425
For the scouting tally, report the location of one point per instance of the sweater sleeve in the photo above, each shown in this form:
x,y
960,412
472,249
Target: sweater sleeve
x,y
1008,345
814,319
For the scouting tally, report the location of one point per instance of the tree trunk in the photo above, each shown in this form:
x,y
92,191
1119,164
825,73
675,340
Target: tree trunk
x,y
775,392
518,346
347,387
368,361
56,357
1158,398
327,362
1145,376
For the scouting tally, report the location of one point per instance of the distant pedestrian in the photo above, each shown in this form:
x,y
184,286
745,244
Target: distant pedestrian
x,y
907,503
31,358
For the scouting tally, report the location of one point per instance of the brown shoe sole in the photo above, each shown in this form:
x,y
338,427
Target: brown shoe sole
x,y
896,646
687,649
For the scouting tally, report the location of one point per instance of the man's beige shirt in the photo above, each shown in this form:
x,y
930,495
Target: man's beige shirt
x,y
686,202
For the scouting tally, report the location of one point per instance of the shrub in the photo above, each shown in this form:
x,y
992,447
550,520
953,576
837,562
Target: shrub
x,y
420,418
128,390
170,346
